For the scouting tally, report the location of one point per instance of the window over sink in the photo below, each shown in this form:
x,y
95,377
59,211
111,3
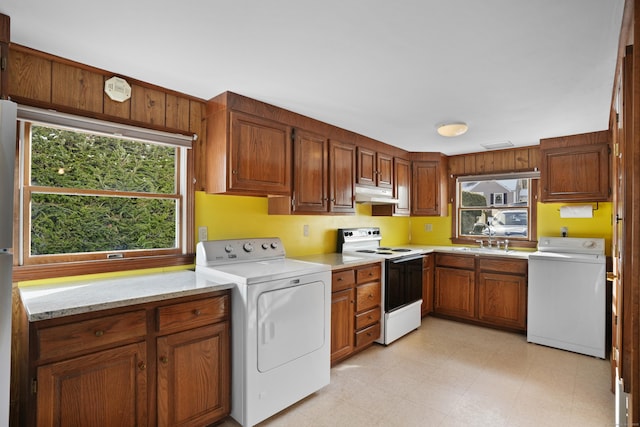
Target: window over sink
x,y
496,206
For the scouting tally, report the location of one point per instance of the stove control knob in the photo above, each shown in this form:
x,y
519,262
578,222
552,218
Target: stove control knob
x,y
265,246
248,247
228,249
274,245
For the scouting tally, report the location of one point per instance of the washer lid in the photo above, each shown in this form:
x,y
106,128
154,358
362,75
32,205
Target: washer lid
x,y
575,245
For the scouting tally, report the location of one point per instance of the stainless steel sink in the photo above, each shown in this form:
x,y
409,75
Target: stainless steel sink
x,y
476,250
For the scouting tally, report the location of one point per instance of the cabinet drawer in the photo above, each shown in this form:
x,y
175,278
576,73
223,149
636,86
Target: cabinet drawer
x,y
502,265
192,314
368,335
342,280
79,337
367,318
367,296
456,261
368,274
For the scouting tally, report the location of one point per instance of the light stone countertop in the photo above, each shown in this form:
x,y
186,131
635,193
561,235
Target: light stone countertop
x,y
338,261
43,302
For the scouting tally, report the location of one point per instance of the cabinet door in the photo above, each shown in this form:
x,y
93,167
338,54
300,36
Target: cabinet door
x,y
367,167
310,192
455,292
342,320
425,188
105,388
385,170
502,299
575,173
193,376
342,177
427,284
259,156
402,189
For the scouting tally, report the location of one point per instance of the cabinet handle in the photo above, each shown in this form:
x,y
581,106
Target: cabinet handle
x,y
197,312
234,172
370,296
333,200
164,359
142,366
340,279
99,333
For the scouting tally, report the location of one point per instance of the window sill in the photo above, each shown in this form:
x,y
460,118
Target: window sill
x,y
50,271
513,243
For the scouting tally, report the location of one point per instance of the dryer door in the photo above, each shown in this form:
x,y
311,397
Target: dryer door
x,y
290,323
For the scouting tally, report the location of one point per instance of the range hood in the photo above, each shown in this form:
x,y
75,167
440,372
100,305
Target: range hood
x,y
375,196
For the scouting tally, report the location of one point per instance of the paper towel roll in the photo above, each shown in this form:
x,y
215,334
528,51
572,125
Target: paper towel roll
x,y
582,211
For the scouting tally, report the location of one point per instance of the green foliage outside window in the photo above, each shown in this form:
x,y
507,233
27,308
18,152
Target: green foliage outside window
x,y
79,223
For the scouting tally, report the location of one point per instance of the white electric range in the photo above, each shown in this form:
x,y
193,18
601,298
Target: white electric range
x,y
401,279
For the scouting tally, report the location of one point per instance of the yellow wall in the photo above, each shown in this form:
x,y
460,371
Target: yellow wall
x,y
236,217
231,217
549,222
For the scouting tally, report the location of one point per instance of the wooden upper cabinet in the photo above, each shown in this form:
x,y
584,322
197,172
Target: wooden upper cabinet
x,y
429,188
575,168
323,174
310,185
401,191
342,177
247,155
374,168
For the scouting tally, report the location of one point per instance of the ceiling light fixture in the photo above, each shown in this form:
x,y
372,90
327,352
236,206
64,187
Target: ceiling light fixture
x,y
452,129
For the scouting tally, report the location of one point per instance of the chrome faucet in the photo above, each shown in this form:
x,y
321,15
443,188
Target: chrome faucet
x,y
490,241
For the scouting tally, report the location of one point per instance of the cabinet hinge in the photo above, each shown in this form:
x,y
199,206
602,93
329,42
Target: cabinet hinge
x,y
293,134
34,386
617,117
3,63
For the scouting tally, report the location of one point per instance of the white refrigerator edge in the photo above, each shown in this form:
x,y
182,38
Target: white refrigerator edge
x,y
8,120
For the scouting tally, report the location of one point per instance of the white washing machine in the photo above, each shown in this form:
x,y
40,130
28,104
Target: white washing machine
x,y
567,295
281,320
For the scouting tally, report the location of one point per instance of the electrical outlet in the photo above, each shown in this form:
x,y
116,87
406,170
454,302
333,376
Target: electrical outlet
x,y
428,227
305,230
203,234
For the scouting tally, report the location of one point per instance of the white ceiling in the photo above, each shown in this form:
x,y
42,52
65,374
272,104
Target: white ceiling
x,y
514,70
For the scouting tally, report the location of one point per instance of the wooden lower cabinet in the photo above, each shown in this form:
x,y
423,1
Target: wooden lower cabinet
x,y
193,376
156,364
428,266
355,309
485,290
104,388
342,338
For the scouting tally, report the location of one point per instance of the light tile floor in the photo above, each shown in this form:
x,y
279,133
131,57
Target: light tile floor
x,y
452,374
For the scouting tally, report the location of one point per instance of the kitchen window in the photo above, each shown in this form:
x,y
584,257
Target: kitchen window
x,y
96,191
497,206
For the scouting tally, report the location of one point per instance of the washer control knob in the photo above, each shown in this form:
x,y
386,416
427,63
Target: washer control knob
x,y
228,249
274,245
265,246
248,247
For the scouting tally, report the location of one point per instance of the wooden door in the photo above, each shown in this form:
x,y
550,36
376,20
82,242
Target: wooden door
x,y
384,167
310,188
193,376
260,155
342,324
342,177
502,299
455,292
106,388
367,169
425,188
427,284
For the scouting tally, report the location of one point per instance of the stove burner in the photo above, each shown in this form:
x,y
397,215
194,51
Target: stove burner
x,y
367,251
383,248
401,250
385,252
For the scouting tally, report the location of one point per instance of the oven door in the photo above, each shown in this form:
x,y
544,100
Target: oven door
x,y
403,281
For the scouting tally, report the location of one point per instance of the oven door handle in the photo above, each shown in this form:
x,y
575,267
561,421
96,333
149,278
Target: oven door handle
x,y
405,259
